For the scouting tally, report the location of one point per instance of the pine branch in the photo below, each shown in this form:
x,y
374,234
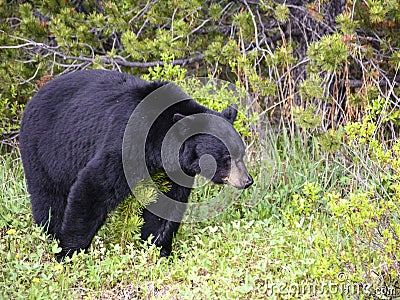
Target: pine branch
x,y
37,47
122,62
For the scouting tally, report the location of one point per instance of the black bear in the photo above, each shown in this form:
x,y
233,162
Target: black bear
x,y
71,144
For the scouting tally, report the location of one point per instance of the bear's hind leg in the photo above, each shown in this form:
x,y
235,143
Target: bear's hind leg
x,y
47,197
48,208
96,191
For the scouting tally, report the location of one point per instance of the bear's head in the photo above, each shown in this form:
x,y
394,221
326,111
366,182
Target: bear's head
x,y
213,148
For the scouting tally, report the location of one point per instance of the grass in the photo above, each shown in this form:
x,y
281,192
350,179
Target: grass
x,y
261,246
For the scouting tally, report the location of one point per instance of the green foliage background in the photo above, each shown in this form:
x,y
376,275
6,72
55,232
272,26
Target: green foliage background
x,y
324,108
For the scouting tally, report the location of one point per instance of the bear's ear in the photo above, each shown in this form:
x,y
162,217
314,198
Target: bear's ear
x,y
230,113
178,117
185,126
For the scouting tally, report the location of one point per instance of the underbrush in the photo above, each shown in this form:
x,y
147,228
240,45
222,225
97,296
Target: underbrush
x,y
312,226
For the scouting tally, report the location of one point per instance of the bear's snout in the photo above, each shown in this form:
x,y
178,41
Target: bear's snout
x,y
248,182
239,177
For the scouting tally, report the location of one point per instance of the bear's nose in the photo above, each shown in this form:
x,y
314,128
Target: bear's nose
x,y
248,182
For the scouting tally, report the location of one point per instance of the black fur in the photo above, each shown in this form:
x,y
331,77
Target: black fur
x,y
71,142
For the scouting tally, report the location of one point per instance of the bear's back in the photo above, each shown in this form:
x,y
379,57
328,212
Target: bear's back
x,y
72,118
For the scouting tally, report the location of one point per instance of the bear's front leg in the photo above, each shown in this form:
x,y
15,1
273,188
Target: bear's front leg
x,y
164,228
91,197
162,231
